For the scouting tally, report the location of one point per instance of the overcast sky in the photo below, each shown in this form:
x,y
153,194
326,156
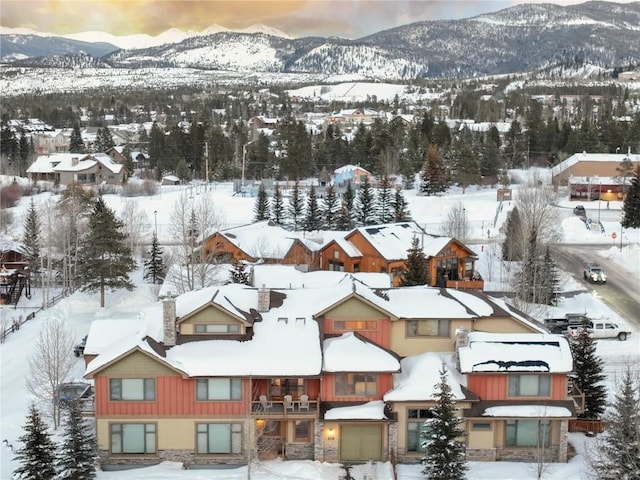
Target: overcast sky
x,y
345,18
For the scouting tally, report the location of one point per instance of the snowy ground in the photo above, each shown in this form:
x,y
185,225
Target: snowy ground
x,y
81,309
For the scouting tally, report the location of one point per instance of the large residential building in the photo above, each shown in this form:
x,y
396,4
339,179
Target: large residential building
x,y
342,373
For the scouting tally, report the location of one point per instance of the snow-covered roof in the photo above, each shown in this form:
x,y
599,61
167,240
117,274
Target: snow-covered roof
x,y
593,157
349,248
235,299
264,240
288,276
72,162
105,332
419,376
373,410
515,352
7,244
527,411
351,353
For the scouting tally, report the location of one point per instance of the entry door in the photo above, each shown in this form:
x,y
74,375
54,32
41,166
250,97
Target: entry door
x,y
360,443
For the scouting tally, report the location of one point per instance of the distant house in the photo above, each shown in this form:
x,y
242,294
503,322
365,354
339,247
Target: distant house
x,y
592,176
350,173
383,248
262,242
70,168
47,142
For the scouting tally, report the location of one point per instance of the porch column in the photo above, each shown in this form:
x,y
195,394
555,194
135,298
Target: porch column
x,y
318,441
562,445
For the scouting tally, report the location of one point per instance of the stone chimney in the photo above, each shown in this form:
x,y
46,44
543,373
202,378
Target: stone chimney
x,y
264,299
169,320
462,337
74,161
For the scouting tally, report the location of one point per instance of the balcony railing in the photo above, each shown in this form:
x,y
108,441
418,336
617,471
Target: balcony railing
x,y
277,408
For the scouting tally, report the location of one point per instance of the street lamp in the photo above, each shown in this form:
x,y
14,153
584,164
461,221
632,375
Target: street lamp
x,y
155,217
599,197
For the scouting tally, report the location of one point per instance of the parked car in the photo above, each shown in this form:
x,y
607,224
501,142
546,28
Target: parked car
x,y
78,349
68,392
594,273
579,210
601,329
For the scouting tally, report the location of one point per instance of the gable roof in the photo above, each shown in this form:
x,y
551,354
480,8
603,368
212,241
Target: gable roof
x,y
353,353
72,162
237,300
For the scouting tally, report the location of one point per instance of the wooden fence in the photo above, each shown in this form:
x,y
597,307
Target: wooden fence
x,y
17,323
586,426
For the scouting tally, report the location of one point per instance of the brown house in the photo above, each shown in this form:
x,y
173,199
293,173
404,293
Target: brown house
x,y
262,242
383,248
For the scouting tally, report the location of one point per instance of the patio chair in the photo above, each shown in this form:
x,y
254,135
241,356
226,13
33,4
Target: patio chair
x,y
304,402
288,403
265,403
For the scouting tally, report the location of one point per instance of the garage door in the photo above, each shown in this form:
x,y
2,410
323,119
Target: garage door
x,y
359,443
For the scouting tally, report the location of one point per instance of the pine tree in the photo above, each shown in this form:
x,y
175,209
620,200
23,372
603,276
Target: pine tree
x,y
330,206
588,368
631,206
239,273
261,207
105,258
296,207
154,269
277,207
79,450
618,453
445,451
365,204
416,270
549,281
510,252
37,456
104,140
76,144
313,219
386,213
400,207
433,173
31,237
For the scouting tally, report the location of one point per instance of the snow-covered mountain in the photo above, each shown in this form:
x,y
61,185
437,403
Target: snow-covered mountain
x,y
518,39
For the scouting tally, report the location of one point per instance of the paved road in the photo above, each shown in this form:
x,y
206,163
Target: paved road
x,y
621,292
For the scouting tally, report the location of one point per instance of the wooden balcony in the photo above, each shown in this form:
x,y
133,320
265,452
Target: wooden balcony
x,y
466,284
276,409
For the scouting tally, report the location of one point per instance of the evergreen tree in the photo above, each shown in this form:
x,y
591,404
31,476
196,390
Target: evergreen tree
x,y
510,252
400,207
588,368
549,281
329,209
625,170
618,454
631,206
365,204
296,207
104,140
182,171
416,270
38,452
154,269
445,451
105,257
467,166
344,219
433,173
79,450
25,152
31,237
239,273
313,218
277,207
156,149
261,207
386,213
76,144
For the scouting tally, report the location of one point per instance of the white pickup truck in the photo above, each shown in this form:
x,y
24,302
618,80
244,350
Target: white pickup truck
x,y
601,329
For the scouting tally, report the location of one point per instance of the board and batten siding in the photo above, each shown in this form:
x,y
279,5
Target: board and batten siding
x,y
385,383
495,386
208,315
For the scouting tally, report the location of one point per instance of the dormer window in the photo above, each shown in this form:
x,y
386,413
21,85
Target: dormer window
x,y
217,328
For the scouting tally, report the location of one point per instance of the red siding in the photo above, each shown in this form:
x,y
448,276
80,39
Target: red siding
x,y
494,386
385,382
174,396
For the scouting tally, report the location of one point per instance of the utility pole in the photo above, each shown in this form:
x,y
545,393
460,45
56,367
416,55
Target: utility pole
x,y
206,161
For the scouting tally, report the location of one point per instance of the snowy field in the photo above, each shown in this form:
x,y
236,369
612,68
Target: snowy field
x,y
80,309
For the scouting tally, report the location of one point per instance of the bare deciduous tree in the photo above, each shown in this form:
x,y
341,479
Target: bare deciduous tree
x,y
51,363
192,221
456,224
136,223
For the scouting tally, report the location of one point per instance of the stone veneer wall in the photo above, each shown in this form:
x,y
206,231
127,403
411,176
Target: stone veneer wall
x,y
300,451
186,457
481,455
550,454
318,441
563,448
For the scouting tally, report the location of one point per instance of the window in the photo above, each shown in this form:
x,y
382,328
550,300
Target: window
x,y
416,429
218,389
356,384
219,438
217,328
356,267
355,325
529,385
336,266
133,438
336,254
302,430
527,433
125,389
481,425
428,328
